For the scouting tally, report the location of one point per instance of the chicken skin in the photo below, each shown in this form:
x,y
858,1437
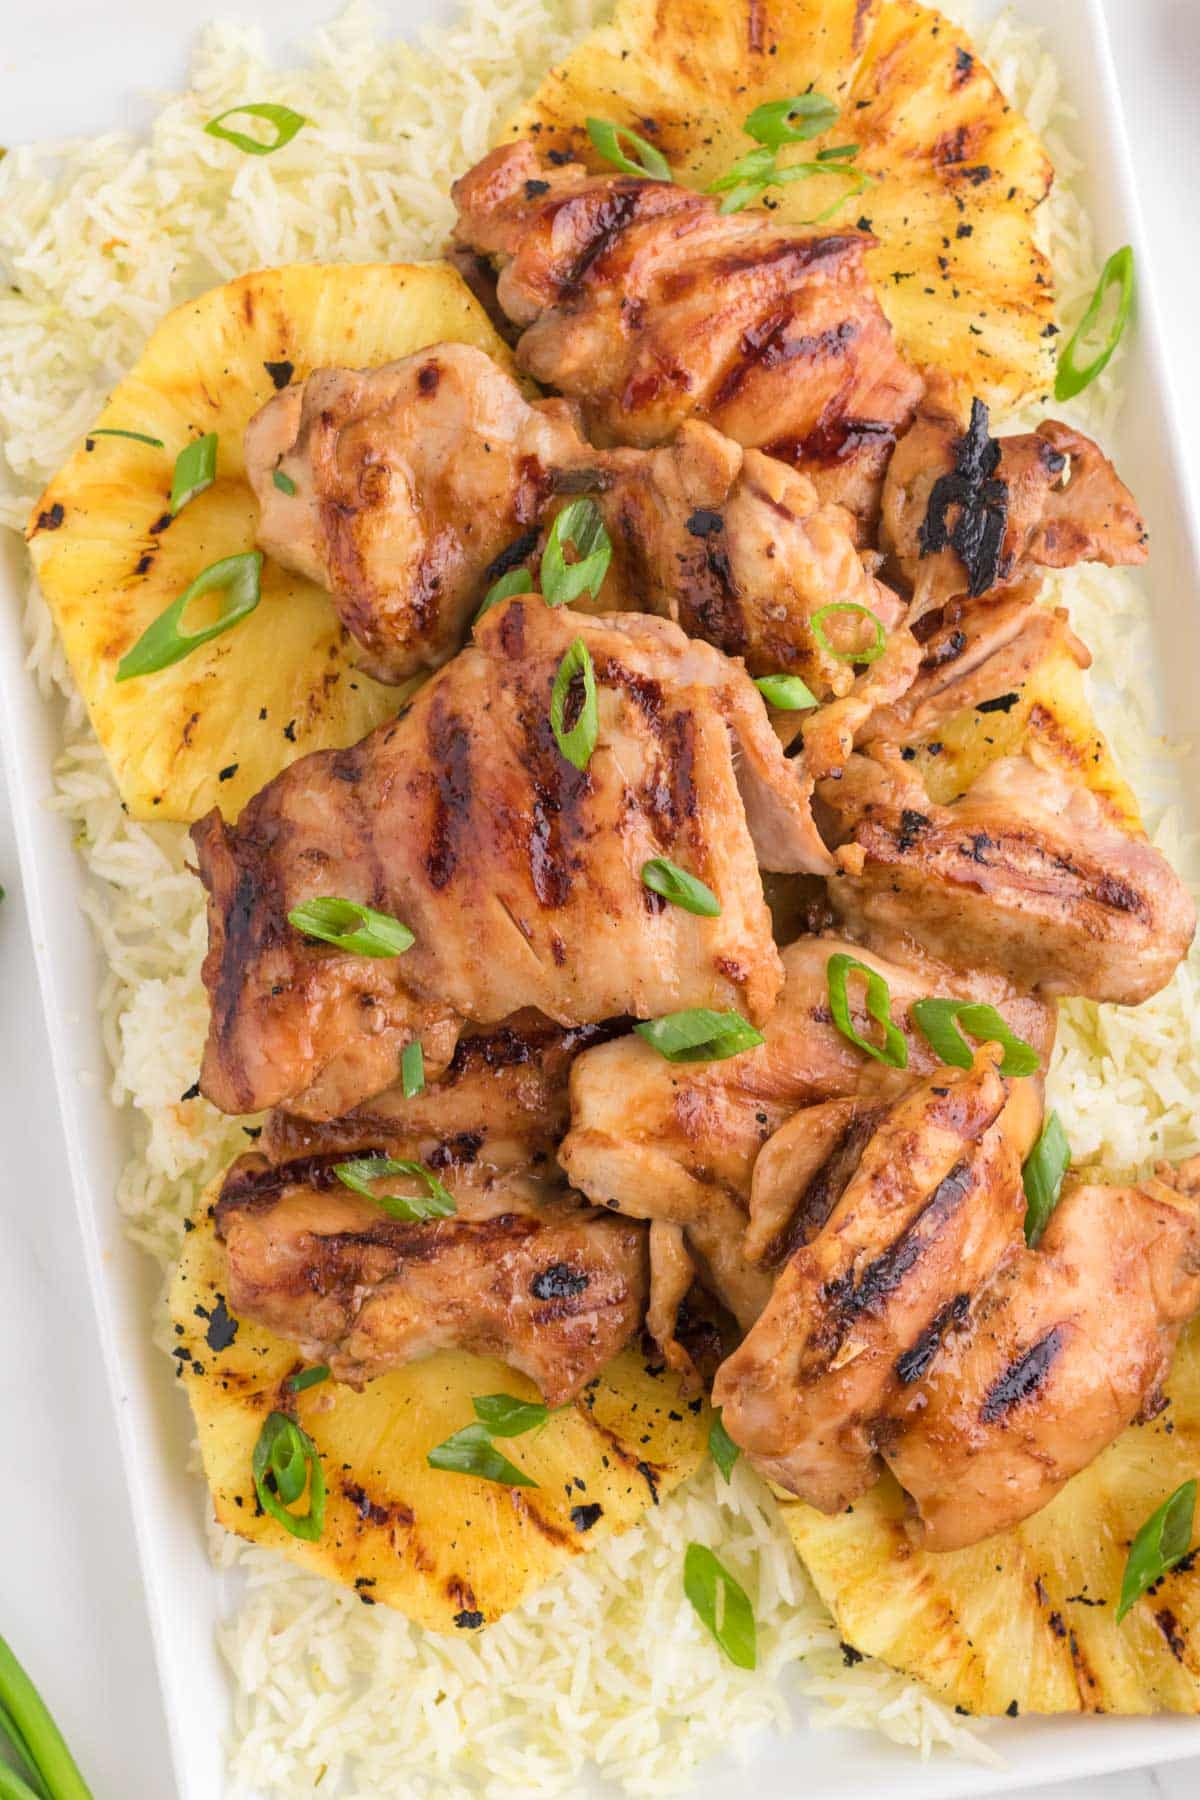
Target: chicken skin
x,y
644,303
924,1210
518,874
1069,1345
965,513
410,488
1027,874
519,1272
678,1143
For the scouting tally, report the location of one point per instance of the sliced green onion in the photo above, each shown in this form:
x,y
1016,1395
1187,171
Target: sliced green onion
x,y
285,1461
137,437
755,170
284,482
195,470
164,641
286,122
580,525
471,1452
858,178
309,1378
412,1069
35,1737
578,743
838,153
699,1035
506,1416
779,122
1070,379
1042,1177
721,1446
516,581
786,693
721,1604
361,1171
879,1004
868,655
664,877
606,139
939,1022
348,926
1162,1541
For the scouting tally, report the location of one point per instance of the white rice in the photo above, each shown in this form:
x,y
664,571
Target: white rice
x,y
606,1668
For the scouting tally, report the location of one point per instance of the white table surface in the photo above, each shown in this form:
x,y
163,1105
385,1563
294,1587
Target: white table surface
x,y
70,1593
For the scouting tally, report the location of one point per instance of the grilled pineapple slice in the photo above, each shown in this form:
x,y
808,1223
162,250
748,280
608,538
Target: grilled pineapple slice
x,y
449,1550
110,557
1024,1622
957,173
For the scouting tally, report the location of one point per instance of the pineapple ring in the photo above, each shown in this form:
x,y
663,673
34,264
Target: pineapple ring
x,y
1024,1621
217,726
448,1550
958,171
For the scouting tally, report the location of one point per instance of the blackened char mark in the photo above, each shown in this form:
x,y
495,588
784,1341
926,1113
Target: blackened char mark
x,y
516,1046
767,346
1023,1378
450,766
825,1189
670,794
253,1184
555,822
880,1279
559,1282
977,534
834,440
610,218
915,1364
710,600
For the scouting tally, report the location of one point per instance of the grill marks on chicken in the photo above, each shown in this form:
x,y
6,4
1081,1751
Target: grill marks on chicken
x,y
417,484
519,874
520,1272
964,513
932,1205
1026,874
1068,1345
641,301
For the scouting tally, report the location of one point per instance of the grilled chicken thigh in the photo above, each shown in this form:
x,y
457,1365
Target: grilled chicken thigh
x,y
922,1210
522,1272
519,875
677,1143
408,489
640,300
1027,874
965,513
1069,1345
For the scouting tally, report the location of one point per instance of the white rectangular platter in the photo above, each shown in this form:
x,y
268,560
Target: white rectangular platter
x,y
69,65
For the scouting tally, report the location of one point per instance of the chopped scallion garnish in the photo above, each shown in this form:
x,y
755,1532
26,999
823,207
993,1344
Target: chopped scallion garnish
x,y
664,877
516,581
579,740
436,1203
939,1022
699,1035
721,1446
307,1378
49,1769
471,1452
412,1069
348,926
284,482
581,526
138,437
868,653
1042,1177
1163,1541
195,470
786,693
285,1462
506,1416
1117,272
779,122
894,1051
606,139
165,642
721,1604
286,122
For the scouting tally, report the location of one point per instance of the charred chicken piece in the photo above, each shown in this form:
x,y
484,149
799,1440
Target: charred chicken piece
x,y
1069,1345
520,1272
642,302
899,1218
519,874
410,488
965,513
1027,874
678,1143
